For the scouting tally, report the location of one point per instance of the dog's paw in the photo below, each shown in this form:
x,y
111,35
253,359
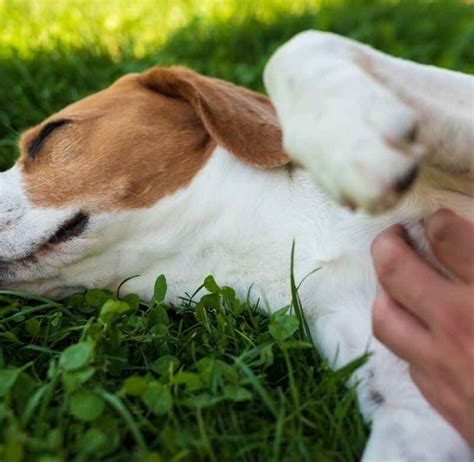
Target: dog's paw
x,y
405,435
355,137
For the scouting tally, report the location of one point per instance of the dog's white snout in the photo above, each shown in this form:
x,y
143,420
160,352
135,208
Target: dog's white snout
x,y
12,198
11,210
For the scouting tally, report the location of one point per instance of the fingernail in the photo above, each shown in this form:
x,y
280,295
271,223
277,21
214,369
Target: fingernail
x,y
386,240
382,247
438,224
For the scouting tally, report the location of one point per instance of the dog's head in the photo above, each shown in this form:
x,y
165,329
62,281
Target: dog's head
x,y
124,148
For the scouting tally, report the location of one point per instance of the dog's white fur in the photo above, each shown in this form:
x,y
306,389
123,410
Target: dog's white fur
x,y
345,111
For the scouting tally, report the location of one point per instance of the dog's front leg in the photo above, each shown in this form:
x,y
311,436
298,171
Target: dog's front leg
x,y
361,121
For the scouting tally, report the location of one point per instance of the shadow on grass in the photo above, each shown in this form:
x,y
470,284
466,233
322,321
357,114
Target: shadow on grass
x,y
439,33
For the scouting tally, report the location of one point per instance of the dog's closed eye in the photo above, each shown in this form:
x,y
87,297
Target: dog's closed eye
x,y
35,146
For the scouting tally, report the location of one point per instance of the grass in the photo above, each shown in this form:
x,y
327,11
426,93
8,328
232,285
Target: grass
x,y
101,376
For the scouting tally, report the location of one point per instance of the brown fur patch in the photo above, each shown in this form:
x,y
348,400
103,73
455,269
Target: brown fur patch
x,y
242,121
144,137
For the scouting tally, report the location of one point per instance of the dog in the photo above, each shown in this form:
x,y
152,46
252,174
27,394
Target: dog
x,y
169,171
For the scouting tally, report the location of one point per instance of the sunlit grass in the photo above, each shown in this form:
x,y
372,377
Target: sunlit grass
x,y
28,26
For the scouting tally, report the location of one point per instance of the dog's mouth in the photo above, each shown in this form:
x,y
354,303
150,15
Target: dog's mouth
x,y
70,229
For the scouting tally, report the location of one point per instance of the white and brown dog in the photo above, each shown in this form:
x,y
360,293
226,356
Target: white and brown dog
x,y
172,172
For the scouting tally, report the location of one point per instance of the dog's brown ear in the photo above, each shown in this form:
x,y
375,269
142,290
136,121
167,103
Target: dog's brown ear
x,y
238,119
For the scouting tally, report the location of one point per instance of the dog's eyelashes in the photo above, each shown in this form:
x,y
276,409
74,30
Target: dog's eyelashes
x,y
35,146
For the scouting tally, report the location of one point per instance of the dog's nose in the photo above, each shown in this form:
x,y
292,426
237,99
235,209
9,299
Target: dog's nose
x,y
405,181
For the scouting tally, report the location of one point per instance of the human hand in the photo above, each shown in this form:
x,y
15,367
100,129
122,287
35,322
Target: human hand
x,y
426,318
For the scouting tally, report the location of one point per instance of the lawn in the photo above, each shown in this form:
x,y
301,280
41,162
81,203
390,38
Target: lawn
x,y
105,376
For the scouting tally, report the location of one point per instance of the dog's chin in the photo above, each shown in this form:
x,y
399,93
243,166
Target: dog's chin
x,y
50,288
45,259
41,273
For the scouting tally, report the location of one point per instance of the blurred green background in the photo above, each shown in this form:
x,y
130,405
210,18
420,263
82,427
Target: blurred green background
x,y
53,52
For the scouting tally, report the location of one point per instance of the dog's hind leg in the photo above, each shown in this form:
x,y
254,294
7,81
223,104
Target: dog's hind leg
x,y
404,426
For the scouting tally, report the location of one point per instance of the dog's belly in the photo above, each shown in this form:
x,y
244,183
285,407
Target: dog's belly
x,y
343,290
